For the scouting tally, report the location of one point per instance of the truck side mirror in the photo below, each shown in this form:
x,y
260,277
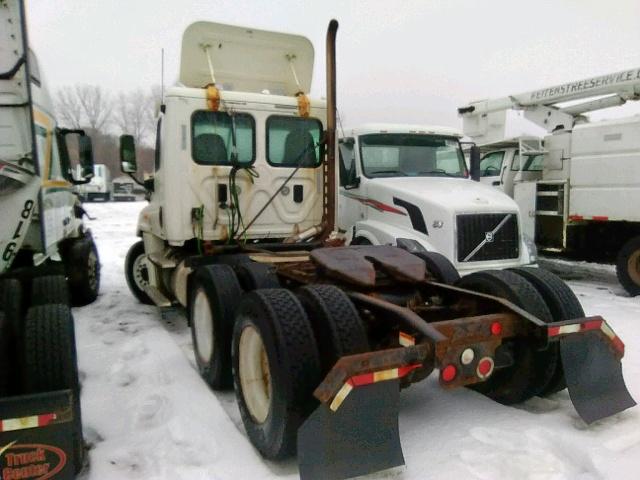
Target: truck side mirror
x,y
128,154
85,155
474,162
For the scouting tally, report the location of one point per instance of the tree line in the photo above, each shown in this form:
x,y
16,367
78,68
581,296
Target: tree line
x,y
105,116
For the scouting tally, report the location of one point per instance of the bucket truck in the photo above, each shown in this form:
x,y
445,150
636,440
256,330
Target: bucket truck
x,y
316,338
578,187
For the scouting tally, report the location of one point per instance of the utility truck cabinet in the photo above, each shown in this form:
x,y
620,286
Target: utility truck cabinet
x,y
605,171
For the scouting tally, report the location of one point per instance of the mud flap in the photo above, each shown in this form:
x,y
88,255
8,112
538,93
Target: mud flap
x,y
594,376
361,437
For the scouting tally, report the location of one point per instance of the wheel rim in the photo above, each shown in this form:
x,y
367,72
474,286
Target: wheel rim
x,y
203,326
140,274
633,266
92,270
255,375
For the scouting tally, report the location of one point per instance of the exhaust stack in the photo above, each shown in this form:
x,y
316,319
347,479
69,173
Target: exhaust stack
x,y
330,136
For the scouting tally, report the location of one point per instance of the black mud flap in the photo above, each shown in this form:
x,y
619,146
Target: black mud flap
x,y
594,376
361,437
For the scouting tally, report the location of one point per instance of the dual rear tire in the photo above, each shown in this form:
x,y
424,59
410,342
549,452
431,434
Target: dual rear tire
x,y
533,371
267,345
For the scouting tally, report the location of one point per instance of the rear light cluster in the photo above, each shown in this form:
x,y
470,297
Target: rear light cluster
x,y
484,367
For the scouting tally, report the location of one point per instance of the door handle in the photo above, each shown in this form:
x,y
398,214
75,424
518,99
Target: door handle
x,y
495,183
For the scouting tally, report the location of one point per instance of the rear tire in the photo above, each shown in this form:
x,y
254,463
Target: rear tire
x,y
82,266
49,289
213,298
563,305
532,370
628,266
336,324
136,272
50,361
439,267
276,367
253,275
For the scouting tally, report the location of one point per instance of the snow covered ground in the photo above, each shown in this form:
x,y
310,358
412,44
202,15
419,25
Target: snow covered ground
x,y
147,414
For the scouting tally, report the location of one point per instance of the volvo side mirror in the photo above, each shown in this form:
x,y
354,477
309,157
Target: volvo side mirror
x,y
128,154
474,162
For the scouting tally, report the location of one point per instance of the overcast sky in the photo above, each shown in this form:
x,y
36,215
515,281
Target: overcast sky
x,y
398,61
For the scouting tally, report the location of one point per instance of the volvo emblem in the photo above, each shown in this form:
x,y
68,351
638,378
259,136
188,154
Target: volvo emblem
x,y
488,236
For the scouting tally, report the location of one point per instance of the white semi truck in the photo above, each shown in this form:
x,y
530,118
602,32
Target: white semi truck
x,y
99,187
410,182
48,261
317,338
578,187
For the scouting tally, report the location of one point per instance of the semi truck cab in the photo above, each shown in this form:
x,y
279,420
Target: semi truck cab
x,y
402,183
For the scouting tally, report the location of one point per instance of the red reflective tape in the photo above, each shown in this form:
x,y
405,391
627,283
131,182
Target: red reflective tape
x,y
402,371
553,331
592,325
576,218
46,419
360,380
600,218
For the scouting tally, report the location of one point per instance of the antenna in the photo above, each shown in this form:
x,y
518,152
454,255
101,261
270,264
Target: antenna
x,y
162,76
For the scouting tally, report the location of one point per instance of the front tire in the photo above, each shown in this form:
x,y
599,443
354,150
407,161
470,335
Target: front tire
x,y
82,266
276,366
628,266
136,272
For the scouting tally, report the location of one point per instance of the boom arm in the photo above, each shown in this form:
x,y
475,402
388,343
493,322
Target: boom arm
x,y
484,120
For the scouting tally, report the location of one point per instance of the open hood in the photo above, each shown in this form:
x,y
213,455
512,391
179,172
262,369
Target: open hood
x,y
245,60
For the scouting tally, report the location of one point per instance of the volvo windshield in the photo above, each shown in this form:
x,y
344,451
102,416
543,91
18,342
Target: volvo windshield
x,y
411,155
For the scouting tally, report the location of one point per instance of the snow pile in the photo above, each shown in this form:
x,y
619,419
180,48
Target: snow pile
x,y
148,415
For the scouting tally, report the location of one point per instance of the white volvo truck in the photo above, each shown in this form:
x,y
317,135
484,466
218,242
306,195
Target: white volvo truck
x,y
409,183
578,187
48,261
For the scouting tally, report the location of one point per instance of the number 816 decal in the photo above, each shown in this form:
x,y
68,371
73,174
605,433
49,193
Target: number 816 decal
x,y
12,247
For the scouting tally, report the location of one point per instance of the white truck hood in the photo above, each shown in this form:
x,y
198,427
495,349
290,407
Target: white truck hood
x,y
457,195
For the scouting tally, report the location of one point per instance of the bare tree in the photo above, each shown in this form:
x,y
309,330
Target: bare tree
x,y
68,107
84,106
96,104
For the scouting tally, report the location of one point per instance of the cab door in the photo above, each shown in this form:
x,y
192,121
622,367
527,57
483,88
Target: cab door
x,y
491,166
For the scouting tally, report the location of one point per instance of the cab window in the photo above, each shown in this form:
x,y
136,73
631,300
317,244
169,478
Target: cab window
x,y
218,138
491,164
293,141
532,163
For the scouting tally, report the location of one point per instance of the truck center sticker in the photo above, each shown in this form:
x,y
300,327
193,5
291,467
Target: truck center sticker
x,y
30,461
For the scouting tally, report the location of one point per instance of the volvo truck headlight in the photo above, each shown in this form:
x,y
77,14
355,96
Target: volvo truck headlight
x,y
410,245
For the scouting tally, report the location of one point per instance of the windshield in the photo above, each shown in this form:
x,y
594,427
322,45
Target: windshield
x,y
411,155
